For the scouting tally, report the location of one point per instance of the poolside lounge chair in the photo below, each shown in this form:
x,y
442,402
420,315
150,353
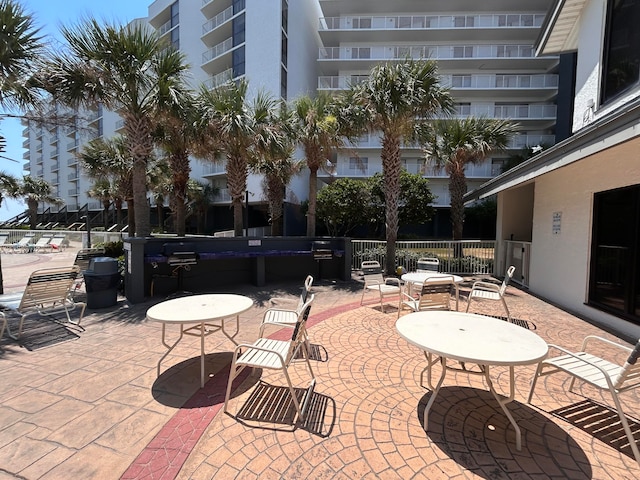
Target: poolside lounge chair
x,y
58,243
3,239
42,243
21,245
599,373
266,353
375,282
48,292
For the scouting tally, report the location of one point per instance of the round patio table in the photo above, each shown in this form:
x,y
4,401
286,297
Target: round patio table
x,y
477,339
206,313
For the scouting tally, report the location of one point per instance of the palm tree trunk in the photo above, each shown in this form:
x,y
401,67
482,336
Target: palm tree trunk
x,y
32,206
181,170
457,189
237,184
313,198
391,168
138,135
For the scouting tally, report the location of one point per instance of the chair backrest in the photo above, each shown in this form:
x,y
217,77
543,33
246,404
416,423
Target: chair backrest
x,y
84,256
57,241
298,335
24,241
306,290
435,294
428,264
3,239
629,376
42,242
48,286
507,278
372,272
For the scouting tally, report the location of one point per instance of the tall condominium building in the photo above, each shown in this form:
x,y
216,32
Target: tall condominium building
x,y
484,52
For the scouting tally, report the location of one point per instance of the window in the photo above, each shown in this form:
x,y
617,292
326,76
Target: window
x,y
238,62
358,165
614,282
461,81
621,62
175,14
238,30
283,83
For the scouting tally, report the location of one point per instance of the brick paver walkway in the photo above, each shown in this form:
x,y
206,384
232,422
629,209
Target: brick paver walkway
x,y
93,407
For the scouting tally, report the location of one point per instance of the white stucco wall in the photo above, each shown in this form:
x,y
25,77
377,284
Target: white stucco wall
x,y
560,262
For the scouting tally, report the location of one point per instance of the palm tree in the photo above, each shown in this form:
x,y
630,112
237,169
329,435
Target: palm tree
x,y
20,48
394,101
132,72
233,126
455,143
318,133
180,133
8,185
200,196
103,191
276,144
34,191
109,159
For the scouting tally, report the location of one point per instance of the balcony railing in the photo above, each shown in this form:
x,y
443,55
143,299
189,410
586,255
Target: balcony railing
x,y
522,141
222,196
340,82
73,191
218,20
164,28
55,167
72,176
72,145
72,161
417,22
441,52
215,167
515,112
119,124
217,50
219,79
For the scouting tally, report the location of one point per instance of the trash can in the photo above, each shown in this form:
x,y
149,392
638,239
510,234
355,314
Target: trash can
x,y
101,281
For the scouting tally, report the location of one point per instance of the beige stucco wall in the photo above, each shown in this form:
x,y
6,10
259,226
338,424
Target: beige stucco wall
x,y
560,262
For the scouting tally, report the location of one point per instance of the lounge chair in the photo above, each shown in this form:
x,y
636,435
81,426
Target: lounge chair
x,y
21,245
58,243
266,353
42,243
48,292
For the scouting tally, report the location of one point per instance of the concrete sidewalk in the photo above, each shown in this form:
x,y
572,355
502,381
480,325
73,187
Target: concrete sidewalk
x,y
91,405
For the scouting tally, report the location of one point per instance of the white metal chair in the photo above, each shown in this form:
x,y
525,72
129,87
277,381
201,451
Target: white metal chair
x,y
375,282
428,264
599,373
267,353
491,291
434,294
283,317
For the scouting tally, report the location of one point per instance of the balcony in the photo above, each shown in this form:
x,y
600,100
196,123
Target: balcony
x,y
222,196
120,124
26,166
218,20
74,192
340,82
72,176
55,167
421,27
72,161
473,55
522,141
55,152
215,168
219,79
164,28
217,50
73,145
25,143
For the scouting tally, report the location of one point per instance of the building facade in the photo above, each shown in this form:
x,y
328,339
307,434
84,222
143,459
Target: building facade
x,y
574,209
484,52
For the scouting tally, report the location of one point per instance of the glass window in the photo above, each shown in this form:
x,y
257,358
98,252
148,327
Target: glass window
x,y
284,47
283,83
238,62
621,62
175,14
238,30
614,282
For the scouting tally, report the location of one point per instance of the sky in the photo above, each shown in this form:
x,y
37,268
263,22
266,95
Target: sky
x,y
49,16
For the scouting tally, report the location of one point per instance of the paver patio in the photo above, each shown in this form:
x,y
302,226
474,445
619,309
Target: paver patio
x,y
91,406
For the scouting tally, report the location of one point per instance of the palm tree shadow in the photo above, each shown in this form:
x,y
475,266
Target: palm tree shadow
x,y
469,426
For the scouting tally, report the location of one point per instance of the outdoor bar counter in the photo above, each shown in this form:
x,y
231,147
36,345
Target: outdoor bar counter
x,y
162,265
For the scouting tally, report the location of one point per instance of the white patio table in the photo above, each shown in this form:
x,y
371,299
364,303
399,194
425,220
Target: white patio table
x,y
477,339
418,278
206,313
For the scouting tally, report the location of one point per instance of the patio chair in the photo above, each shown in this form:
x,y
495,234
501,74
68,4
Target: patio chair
x,y
491,291
3,239
48,292
375,282
266,353
598,373
428,264
282,317
3,319
435,294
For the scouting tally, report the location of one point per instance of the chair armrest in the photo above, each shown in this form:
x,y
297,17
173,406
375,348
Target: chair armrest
x,y
604,340
486,286
406,297
282,300
583,360
391,280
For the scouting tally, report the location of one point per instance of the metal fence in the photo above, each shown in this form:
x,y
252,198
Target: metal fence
x,y
79,238
474,256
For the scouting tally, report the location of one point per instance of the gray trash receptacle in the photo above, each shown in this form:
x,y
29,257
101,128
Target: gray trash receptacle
x,y
101,281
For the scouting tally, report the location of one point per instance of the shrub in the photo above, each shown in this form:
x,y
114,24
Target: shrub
x,y
112,249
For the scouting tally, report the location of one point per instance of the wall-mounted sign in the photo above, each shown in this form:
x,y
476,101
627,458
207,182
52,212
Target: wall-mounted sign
x,y
556,222
255,243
